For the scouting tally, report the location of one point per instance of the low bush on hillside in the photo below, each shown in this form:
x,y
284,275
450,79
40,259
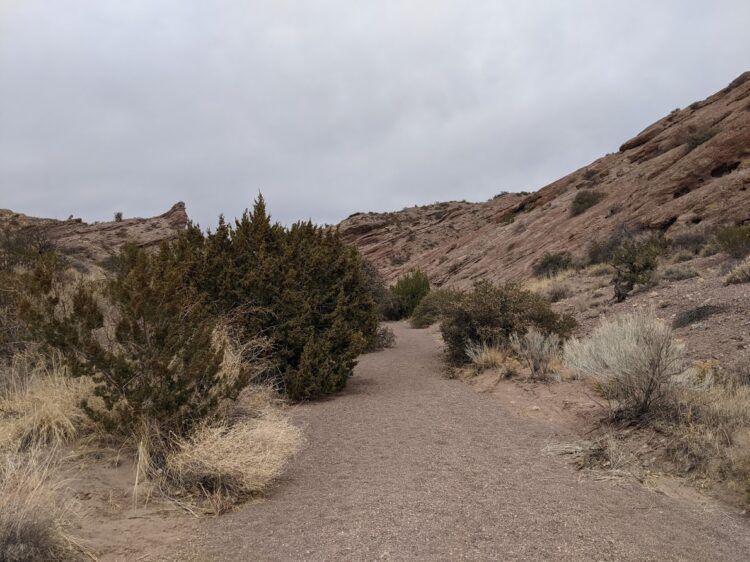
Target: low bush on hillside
x,y
635,262
678,273
489,314
408,291
602,251
697,139
632,359
552,263
558,291
538,350
584,200
739,274
692,242
433,307
734,240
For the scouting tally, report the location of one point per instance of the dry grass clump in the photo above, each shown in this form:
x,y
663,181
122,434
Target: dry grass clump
x,y
631,359
228,462
712,434
32,519
678,273
237,460
740,274
485,356
43,405
537,349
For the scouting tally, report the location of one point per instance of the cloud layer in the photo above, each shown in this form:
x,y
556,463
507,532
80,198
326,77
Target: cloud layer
x,y
331,107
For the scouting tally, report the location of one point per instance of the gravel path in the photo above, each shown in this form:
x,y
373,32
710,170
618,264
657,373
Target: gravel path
x,y
406,465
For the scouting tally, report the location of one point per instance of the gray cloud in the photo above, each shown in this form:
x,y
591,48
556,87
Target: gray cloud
x,y
331,107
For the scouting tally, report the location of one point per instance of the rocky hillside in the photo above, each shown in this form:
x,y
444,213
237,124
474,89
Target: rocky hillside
x,y
90,244
688,171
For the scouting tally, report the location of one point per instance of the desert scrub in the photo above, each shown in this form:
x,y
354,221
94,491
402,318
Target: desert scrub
x,y
408,292
697,139
433,306
632,360
33,519
552,263
584,200
739,274
485,356
634,263
489,314
384,338
690,242
678,273
734,240
558,292
43,406
228,462
538,350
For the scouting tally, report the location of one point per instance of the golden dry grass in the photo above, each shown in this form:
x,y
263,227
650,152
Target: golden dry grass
x,y
33,519
485,356
42,406
228,462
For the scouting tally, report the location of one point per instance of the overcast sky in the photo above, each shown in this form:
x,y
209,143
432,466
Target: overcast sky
x,y
332,107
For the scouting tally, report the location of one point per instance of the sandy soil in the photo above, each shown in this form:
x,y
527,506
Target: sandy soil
x,y
406,464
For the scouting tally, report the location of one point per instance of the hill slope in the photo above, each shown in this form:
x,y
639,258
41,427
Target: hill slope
x,y
686,172
90,244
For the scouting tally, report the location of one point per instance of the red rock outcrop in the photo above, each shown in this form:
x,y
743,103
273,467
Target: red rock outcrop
x,y
688,171
90,244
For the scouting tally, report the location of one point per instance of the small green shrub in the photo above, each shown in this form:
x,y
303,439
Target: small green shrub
x,y
692,242
157,364
558,292
408,291
489,314
584,200
697,314
735,240
433,307
699,138
603,251
679,273
118,216
739,274
550,264
634,263
384,338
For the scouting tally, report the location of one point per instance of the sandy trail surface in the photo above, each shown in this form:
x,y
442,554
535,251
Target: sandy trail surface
x,y
408,465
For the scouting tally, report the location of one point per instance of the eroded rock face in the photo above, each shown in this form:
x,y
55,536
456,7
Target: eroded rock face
x,y
688,171
91,244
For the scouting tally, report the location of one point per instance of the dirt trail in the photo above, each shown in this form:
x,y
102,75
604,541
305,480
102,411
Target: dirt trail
x,y
408,465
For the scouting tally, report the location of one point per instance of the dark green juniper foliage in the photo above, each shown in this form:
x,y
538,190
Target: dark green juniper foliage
x,y
491,313
408,291
157,362
302,287
146,336
550,264
635,262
